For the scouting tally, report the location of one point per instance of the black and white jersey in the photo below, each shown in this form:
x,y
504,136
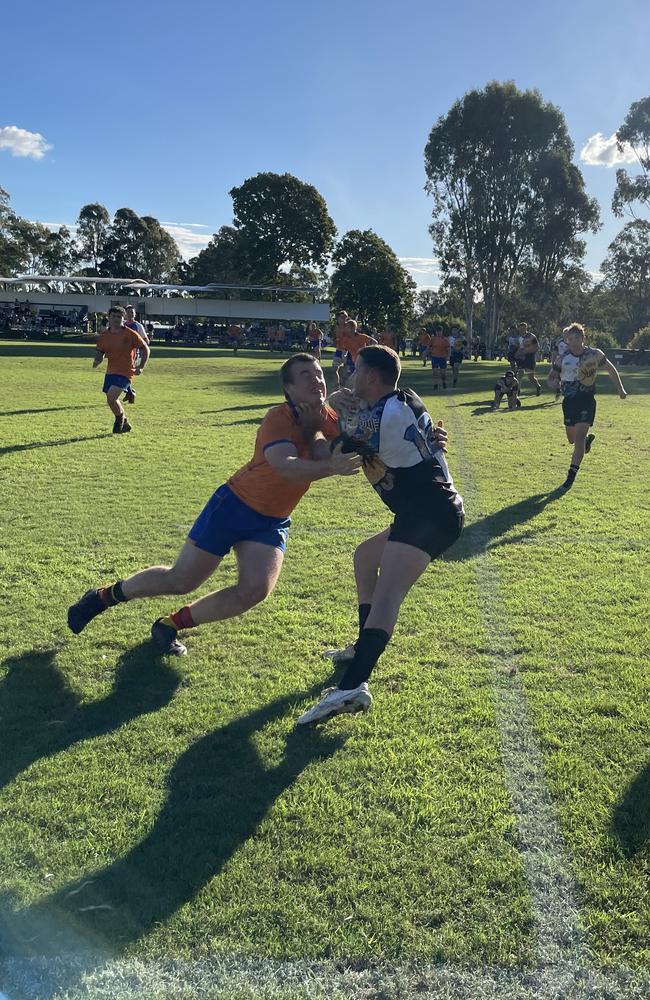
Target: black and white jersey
x,y
401,458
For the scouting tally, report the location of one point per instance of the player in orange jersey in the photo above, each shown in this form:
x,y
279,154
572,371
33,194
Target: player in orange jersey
x,y
249,514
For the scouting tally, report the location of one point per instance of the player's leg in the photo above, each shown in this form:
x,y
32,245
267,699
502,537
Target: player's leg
x,y
443,372
401,565
498,396
192,567
113,394
259,567
367,559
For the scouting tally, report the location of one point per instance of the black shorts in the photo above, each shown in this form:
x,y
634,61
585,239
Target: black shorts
x,y
433,535
527,362
579,409
456,357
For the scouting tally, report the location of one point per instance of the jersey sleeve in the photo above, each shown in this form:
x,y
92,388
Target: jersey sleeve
x,y
276,428
99,344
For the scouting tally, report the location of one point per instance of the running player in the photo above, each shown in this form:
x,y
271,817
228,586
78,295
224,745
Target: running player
x,y
424,342
508,386
456,355
405,464
528,348
250,514
339,336
578,368
132,322
120,345
235,334
315,338
353,342
388,338
439,351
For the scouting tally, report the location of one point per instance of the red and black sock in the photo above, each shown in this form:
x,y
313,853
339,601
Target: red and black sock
x,y
110,596
180,619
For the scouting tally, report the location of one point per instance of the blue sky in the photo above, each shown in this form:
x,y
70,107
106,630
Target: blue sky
x,y
164,107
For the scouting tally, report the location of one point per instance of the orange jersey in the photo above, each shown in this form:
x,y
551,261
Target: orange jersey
x,y
315,335
424,340
388,339
120,346
257,483
355,343
340,336
235,331
439,347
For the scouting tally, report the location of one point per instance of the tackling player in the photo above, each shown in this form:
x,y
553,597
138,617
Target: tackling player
x,y
249,514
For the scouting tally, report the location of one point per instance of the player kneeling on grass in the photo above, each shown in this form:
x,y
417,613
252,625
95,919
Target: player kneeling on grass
x,y
127,355
250,514
578,370
508,386
404,461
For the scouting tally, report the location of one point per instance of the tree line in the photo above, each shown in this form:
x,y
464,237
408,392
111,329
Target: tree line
x,y
509,214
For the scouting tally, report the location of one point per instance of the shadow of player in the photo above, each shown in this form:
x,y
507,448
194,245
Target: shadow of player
x,y
219,791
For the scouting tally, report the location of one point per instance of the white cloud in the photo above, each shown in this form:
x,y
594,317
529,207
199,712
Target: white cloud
x,y
189,242
20,142
423,270
602,152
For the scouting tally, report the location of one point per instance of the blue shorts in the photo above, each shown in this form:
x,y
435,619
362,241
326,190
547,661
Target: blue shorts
x,y
438,362
121,381
226,520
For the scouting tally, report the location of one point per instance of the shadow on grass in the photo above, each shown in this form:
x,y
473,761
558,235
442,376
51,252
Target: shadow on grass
x,y
46,409
41,716
219,791
482,535
630,823
50,444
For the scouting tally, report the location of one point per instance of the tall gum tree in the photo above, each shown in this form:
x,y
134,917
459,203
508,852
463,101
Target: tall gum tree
x,y
490,164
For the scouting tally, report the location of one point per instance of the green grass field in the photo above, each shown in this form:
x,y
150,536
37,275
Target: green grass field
x,y
155,810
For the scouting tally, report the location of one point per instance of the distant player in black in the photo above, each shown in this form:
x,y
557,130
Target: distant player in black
x,y
508,386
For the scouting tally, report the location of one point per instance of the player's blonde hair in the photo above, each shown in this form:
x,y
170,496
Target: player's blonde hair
x,y
574,328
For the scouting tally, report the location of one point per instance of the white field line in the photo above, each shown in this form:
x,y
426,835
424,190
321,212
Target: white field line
x,y
545,857
562,972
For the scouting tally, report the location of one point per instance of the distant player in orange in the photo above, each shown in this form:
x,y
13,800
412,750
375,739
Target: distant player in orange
x,y
315,338
339,334
235,334
249,514
439,351
120,345
424,342
388,338
353,341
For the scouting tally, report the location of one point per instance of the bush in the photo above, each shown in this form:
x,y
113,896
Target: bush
x,y
641,340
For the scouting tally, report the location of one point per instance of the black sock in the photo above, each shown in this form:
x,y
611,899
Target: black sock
x,y
113,595
573,472
370,645
364,611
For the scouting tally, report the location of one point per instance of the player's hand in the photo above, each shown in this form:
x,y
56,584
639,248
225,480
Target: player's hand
x,y
310,417
440,435
344,463
623,394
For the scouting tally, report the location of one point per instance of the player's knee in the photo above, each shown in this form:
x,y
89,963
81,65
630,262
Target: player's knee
x,y
179,582
253,592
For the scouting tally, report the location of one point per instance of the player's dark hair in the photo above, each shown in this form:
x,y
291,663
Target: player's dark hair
x,y
384,360
286,376
117,309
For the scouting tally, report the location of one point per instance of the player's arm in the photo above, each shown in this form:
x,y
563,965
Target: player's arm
x,y
98,358
283,458
145,353
615,377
